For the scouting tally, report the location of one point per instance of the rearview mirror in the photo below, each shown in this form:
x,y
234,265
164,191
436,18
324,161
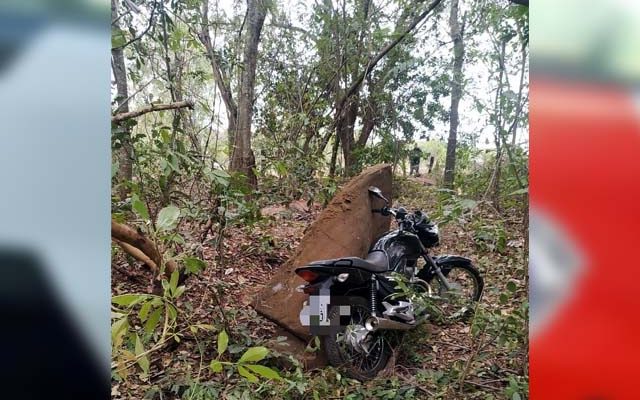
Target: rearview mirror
x,y
378,193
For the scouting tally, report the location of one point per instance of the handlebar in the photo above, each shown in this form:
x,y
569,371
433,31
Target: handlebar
x,y
401,214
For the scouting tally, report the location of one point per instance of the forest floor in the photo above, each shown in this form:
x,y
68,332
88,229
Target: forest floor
x,y
482,358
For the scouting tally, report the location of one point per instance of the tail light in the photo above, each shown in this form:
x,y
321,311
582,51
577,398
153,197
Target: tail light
x,y
307,275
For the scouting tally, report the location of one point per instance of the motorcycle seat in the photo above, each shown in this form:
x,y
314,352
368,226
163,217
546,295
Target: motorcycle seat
x,y
376,261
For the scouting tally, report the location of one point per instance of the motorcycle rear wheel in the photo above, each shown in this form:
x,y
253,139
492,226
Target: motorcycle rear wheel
x,y
356,363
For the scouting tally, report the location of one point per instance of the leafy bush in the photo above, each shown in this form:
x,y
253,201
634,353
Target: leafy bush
x,y
245,365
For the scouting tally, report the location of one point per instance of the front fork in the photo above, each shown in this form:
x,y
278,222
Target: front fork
x,y
437,271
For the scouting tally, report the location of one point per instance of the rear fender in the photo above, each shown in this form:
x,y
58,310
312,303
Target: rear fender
x,y
357,276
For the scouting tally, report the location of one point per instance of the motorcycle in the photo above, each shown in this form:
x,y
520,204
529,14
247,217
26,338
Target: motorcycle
x,y
359,305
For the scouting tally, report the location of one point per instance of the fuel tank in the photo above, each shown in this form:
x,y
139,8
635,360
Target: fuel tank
x,y
402,248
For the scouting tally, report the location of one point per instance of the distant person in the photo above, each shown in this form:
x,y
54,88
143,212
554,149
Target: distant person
x,y
432,159
414,161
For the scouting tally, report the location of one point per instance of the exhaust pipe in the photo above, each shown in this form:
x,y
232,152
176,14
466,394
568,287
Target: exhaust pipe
x,y
372,324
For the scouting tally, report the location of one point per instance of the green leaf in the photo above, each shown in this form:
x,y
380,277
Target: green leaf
x,y
173,313
139,207
152,322
468,204
176,238
221,173
223,341
173,282
216,366
127,299
254,354
118,329
520,191
143,361
179,291
205,327
511,286
248,375
220,177
263,371
194,265
118,38
144,311
281,168
168,217
516,396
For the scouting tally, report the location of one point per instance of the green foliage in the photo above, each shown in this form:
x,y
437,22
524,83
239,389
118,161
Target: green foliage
x,y
453,208
244,365
309,55
139,207
167,218
489,235
136,328
118,38
518,388
423,302
388,150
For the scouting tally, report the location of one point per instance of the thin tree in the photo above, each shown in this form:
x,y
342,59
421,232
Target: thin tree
x,y
243,159
220,76
457,32
124,153
347,103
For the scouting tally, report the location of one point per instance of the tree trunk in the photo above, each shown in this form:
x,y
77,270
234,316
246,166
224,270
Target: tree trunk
x,y
221,79
243,159
232,129
497,177
123,154
344,130
368,123
494,184
348,101
334,156
174,82
456,94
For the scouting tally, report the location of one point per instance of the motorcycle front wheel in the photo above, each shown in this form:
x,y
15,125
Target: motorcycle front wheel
x,y
465,289
359,353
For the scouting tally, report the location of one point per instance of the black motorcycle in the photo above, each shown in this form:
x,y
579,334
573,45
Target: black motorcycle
x,y
357,304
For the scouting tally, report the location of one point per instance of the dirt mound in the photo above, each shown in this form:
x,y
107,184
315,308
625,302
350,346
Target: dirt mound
x,y
345,228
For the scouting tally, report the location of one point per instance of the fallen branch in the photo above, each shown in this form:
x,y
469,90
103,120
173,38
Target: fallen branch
x,y
154,107
137,254
138,245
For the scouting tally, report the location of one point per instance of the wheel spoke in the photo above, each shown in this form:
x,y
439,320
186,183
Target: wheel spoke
x,y
464,288
362,361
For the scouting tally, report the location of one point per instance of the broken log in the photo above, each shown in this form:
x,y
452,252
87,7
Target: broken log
x,y
140,247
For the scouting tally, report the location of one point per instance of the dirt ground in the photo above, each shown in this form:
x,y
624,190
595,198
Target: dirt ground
x,y
249,257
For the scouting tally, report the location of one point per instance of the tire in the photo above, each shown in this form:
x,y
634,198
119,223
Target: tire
x,y
473,282
355,364
472,271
